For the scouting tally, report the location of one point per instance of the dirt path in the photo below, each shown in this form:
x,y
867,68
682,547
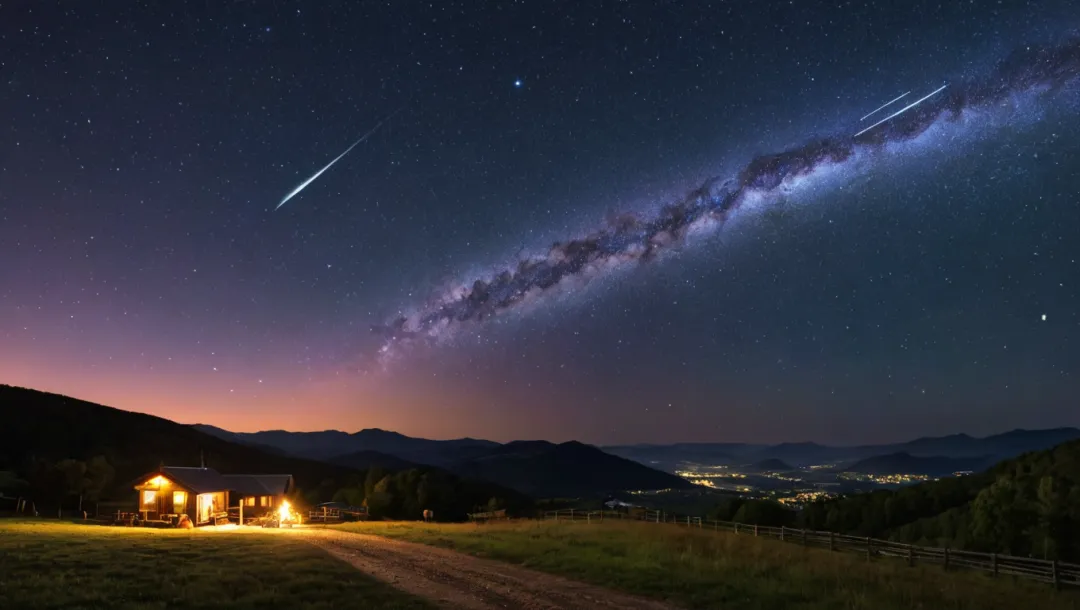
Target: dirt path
x,y
455,580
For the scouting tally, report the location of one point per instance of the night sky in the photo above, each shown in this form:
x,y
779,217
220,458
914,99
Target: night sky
x,y
919,279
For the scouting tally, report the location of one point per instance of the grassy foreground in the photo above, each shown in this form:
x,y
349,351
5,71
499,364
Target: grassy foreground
x,y
52,564
703,569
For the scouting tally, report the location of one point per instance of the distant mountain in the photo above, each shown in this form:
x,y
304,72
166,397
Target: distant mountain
x,y
772,465
543,469
329,444
669,457
905,463
363,460
999,446
531,467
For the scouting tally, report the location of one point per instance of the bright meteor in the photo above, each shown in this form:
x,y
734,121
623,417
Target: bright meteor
x,y
904,109
330,164
883,106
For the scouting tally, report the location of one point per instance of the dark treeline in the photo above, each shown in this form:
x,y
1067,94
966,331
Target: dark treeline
x,y
1028,506
406,494
753,512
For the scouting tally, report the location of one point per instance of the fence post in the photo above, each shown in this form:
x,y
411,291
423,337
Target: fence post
x,y
755,530
782,532
993,560
588,517
736,529
911,555
804,536
687,520
571,514
946,558
1054,574
832,544
601,515
869,549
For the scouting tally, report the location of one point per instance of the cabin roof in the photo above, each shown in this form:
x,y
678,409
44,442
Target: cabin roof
x,y
208,480
198,480
259,484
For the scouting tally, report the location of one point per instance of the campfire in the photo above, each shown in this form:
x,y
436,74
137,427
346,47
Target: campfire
x,y
286,516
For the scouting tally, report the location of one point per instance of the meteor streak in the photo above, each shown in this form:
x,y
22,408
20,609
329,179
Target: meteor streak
x,y
904,109
328,165
883,106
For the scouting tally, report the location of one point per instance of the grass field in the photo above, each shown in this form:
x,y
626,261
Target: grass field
x,y
702,569
52,564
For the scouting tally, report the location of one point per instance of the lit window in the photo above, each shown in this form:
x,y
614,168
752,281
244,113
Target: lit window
x,y
149,497
179,500
249,501
264,500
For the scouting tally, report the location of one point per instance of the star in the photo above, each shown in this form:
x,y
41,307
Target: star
x,y
518,83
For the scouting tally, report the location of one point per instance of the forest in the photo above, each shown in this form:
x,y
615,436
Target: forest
x,y
1026,506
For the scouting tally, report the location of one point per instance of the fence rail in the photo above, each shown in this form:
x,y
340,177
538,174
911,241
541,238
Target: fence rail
x,y
1050,571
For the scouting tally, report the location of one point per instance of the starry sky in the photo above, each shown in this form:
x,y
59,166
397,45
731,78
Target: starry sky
x,y
925,286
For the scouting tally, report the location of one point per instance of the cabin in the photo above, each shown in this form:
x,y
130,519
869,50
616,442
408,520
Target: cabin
x,y
206,496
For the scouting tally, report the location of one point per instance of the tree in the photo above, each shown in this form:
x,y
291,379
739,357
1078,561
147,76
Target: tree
x,y
1000,517
764,512
380,502
73,474
353,496
99,474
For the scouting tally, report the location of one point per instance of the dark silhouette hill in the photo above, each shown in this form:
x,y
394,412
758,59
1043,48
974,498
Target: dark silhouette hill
x,y
905,463
364,460
51,427
329,444
543,469
536,468
772,465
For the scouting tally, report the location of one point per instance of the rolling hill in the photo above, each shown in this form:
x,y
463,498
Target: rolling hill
x,y
330,444
772,465
543,469
905,463
364,460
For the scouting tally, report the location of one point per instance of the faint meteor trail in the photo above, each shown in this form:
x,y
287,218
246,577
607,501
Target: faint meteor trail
x,y
904,109
883,106
330,164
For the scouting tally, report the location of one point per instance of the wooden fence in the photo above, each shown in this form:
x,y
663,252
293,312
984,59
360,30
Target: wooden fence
x,y
1050,571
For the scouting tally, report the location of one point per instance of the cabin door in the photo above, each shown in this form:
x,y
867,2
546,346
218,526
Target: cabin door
x,y
204,507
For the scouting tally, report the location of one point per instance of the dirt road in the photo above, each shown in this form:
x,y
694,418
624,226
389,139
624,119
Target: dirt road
x,y
455,580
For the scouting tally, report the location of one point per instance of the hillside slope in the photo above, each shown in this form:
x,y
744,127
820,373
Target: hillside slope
x,y
543,469
1029,505
51,427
